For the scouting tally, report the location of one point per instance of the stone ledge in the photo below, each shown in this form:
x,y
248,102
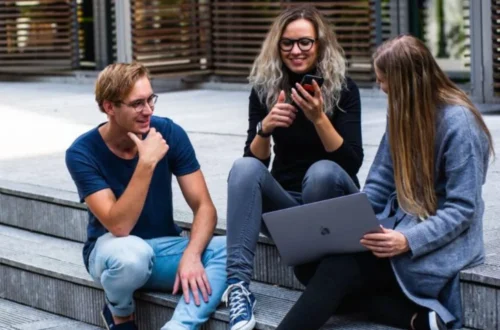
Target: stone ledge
x,y
16,316
71,199
58,213
42,278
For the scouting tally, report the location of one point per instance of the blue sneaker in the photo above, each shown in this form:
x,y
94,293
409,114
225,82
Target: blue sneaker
x,y
241,305
428,320
109,323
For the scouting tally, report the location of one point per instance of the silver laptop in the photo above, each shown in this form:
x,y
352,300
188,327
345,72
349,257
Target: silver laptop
x,y
308,232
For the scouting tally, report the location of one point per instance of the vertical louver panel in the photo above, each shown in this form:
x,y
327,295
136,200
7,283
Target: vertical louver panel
x,y
171,37
38,36
495,16
240,27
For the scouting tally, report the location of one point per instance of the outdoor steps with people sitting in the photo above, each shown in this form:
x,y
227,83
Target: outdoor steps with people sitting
x,y
41,235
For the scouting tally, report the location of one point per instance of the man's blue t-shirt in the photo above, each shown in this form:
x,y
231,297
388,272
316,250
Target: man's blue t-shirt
x,y
94,167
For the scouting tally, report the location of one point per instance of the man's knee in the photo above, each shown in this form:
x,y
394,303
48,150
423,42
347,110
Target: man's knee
x,y
245,169
129,259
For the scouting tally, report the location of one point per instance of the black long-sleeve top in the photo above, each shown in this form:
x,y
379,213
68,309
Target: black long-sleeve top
x,y
299,146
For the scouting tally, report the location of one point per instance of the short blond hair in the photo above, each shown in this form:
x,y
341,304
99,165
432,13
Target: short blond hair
x,y
116,81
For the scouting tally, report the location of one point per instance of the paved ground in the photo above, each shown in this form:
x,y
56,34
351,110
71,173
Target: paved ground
x,y
40,120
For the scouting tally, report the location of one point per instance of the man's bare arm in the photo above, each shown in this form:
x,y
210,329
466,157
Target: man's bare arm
x,y
196,193
120,216
191,273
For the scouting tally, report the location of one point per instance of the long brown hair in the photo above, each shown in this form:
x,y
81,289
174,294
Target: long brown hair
x,y
417,88
267,75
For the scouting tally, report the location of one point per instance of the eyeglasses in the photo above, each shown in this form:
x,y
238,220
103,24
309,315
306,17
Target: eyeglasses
x,y
140,105
304,44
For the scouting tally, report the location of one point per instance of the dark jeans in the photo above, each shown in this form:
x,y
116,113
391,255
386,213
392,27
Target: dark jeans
x,y
252,190
349,282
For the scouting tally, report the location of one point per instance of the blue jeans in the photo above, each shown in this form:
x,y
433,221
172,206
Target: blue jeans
x,y
252,190
121,265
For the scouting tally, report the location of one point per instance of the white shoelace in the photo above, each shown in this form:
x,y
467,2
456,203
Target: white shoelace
x,y
239,298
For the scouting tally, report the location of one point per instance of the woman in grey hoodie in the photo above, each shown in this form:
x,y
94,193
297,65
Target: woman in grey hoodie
x,y
428,174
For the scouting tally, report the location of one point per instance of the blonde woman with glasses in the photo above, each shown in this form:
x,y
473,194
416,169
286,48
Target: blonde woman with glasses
x,y
316,134
428,174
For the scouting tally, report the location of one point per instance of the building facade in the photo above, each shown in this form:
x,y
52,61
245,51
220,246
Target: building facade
x,y
219,39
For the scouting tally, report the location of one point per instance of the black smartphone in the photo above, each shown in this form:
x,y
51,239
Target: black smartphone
x,y
307,82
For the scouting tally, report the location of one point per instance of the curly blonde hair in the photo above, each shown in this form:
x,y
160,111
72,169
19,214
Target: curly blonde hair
x,y
267,75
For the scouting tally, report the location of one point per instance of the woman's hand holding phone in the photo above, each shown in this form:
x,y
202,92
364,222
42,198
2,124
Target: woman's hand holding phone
x,y
281,115
311,104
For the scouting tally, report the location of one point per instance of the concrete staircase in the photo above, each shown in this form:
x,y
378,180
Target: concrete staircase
x,y
14,316
41,235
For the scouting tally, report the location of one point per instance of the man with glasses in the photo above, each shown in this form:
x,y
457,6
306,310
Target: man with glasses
x,y
123,171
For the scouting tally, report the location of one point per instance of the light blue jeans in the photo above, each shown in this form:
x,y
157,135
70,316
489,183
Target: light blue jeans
x,y
122,265
252,190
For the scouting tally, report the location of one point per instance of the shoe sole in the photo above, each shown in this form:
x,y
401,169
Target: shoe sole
x,y
434,322
249,326
105,322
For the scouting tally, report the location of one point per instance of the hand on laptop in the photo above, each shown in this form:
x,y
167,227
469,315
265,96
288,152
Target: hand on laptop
x,y
386,244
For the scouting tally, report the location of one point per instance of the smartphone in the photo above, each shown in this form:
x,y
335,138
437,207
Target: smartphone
x,y
307,82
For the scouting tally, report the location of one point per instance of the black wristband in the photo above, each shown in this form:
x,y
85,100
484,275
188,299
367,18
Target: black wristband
x,y
260,132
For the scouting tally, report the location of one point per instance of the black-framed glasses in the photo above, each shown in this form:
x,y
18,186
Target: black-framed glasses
x,y
304,44
140,105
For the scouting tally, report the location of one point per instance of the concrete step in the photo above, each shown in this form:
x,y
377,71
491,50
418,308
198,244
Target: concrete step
x,y
58,213
47,273
14,316
55,212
